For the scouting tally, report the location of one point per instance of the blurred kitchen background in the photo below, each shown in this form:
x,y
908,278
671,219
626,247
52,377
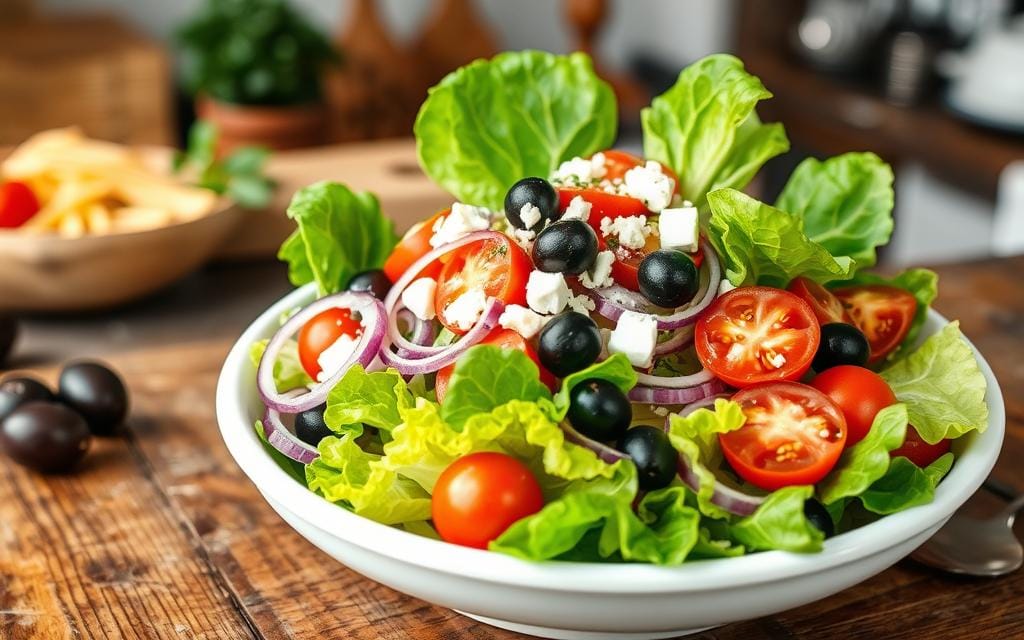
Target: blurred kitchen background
x,y
936,87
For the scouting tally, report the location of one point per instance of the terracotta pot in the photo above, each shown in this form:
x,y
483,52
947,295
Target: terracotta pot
x,y
271,127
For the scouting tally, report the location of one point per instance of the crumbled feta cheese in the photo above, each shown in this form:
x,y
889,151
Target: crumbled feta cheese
x,y
578,209
725,286
582,304
632,231
777,360
649,184
462,220
418,297
335,356
581,170
600,273
661,411
524,238
521,320
547,292
465,310
635,335
679,229
530,215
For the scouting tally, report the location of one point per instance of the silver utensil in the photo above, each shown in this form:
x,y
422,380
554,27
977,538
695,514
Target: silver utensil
x,y
976,547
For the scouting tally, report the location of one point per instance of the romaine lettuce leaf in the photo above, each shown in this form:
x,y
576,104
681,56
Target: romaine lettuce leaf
x,y
487,377
492,122
706,130
288,371
868,460
845,202
905,485
375,399
340,233
759,244
779,523
942,386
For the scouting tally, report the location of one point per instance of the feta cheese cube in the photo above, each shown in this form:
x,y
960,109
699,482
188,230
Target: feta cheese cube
x,y
335,356
632,231
600,273
530,215
725,286
649,184
521,320
465,310
578,209
679,229
547,292
462,220
635,336
582,304
580,170
418,297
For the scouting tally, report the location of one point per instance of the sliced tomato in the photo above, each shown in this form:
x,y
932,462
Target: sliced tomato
x,y
826,307
793,435
506,339
414,245
757,334
883,313
860,393
18,203
320,332
602,205
918,451
498,267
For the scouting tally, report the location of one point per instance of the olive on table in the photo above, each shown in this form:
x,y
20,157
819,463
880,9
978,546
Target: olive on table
x,y
373,281
15,392
599,410
655,458
566,246
45,436
8,334
818,516
95,392
310,426
841,343
533,191
668,278
568,343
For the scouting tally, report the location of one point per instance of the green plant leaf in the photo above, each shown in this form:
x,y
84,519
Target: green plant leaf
x,y
375,399
905,485
487,377
868,460
780,523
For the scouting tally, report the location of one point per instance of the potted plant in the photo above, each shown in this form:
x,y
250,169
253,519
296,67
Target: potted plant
x,y
255,68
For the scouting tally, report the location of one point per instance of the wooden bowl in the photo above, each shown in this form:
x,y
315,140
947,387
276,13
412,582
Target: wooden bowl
x,y
53,273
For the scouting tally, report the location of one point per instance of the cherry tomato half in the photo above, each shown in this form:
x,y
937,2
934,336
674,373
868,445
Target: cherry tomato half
x,y
793,435
920,452
18,203
757,334
883,313
826,307
320,332
499,267
479,496
414,245
506,339
859,392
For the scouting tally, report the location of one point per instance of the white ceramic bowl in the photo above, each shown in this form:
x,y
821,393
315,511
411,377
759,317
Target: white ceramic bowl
x,y
577,600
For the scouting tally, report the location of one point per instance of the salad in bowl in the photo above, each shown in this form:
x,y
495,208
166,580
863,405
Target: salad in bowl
x,y
599,357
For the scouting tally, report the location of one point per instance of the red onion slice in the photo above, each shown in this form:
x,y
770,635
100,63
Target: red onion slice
x,y
284,440
705,403
677,382
665,395
373,321
684,316
423,332
603,451
410,365
732,500
682,338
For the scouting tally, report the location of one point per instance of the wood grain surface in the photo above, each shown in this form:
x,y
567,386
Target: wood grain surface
x,y
159,535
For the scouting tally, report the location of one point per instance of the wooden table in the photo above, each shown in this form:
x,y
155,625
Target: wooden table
x,y
159,535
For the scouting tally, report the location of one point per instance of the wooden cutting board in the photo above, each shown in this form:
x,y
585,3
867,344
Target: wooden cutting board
x,y
386,168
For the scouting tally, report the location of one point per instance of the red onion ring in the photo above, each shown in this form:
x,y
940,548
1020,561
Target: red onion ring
x,y
732,500
603,451
682,317
372,312
676,382
410,366
667,395
705,403
682,338
423,332
284,440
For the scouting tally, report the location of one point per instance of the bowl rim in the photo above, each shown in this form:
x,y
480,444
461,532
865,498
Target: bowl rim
x,y
236,391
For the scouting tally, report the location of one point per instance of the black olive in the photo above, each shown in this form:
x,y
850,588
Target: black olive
x,y
817,515
535,191
655,458
841,343
566,246
45,436
372,281
599,410
8,334
668,278
96,392
310,426
15,392
568,343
